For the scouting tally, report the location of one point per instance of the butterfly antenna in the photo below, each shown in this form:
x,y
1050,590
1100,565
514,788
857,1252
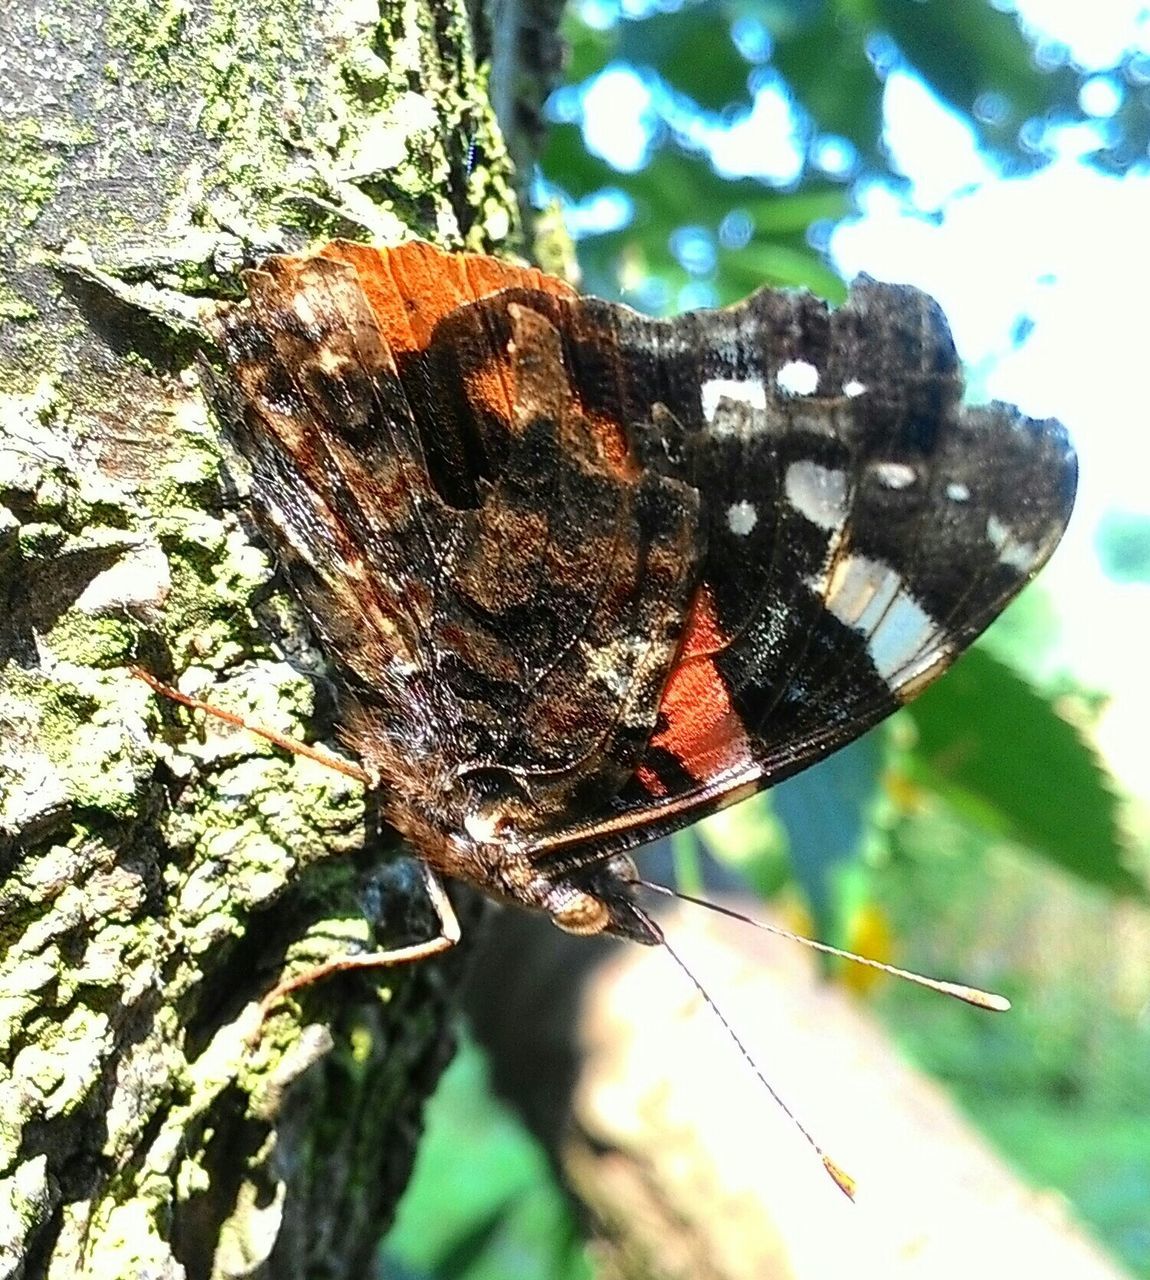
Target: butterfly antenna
x,y
842,1179
960,991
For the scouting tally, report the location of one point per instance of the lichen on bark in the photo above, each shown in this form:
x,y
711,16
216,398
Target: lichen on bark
x,y
158,872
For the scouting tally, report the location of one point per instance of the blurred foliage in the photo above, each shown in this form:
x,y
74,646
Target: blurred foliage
x,y
825,839
703,63
985,740
495,1213
1060,1083
679,190
1124,546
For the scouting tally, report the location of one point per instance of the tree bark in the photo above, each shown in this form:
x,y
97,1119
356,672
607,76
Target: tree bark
x,y
158,875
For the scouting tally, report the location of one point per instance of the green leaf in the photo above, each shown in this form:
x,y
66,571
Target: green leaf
x,y
995,746
795,212
967,48
1028,638
693,51
781,265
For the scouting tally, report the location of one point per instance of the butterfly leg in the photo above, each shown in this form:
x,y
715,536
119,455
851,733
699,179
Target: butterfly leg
x,y
448,935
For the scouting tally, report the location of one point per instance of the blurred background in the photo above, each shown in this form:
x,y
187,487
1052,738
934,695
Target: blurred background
x,y
996,155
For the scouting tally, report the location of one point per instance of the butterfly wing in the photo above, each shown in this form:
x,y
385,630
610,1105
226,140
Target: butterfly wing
x,y
858,527
619,572
501,584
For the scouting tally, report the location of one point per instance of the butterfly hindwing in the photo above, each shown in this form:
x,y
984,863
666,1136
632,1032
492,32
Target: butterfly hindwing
x,y
501,585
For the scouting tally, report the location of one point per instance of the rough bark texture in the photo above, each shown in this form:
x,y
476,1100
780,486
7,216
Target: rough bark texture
x,y
157,875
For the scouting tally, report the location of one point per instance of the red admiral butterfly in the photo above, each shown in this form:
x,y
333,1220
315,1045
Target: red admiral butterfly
x,y
587,576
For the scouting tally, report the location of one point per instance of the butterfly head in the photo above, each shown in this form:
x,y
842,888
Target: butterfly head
x,y
598,898
481,840
480,825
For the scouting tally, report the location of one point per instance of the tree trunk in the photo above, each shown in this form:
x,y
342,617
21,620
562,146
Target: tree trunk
x,y
158,874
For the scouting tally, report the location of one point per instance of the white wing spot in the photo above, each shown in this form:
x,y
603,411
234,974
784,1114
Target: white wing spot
x,y
333,362
894,475
870,597
798,378
750,392
957,492
614,665
853,388
819,493
741,518
1011,552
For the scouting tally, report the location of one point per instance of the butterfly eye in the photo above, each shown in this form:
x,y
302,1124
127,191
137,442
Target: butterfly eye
x,y
582,914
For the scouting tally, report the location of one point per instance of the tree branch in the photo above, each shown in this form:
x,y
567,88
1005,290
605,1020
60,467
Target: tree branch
x,y
686,1168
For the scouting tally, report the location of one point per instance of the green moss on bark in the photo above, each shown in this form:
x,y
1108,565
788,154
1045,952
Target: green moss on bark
x,y
161,871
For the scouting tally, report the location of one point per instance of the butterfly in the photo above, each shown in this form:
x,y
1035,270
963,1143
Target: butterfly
x,y
585,576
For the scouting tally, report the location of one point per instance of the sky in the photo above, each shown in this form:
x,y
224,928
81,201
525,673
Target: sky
x,y
1067,247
